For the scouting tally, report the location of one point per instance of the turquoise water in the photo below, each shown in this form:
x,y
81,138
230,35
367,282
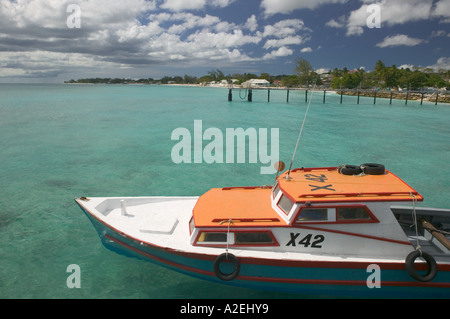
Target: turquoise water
x,y
62,141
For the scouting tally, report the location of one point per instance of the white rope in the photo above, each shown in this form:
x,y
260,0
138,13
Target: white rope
x,y
301,131
229,223
414,217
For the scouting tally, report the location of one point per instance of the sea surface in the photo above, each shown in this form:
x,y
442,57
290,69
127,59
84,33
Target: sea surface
x,y
58,142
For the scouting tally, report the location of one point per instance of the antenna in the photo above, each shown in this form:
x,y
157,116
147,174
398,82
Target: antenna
x,y
300,134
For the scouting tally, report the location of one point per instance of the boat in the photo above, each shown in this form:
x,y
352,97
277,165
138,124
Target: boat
x,y
348,230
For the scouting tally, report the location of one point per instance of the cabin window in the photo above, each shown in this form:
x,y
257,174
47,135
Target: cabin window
x,y
276,190
208,237
253,238
352,213
313,214
285,204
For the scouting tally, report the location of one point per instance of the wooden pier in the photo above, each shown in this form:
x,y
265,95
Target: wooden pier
x,y
431,96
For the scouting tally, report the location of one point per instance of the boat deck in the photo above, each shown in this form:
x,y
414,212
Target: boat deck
x,y
159,220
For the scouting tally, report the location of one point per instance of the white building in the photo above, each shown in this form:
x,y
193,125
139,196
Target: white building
x,y
255,83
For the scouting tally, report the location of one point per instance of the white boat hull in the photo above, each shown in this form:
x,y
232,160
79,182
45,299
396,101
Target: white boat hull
x,y
157,229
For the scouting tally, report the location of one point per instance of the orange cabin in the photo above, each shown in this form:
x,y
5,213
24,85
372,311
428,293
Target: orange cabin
x,y
254,206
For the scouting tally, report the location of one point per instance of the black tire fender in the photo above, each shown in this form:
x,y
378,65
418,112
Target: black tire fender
x,y
373,169
431,263
350,170
229,258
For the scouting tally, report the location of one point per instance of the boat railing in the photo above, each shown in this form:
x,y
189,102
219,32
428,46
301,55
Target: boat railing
x,y
246,187
245,220
369,194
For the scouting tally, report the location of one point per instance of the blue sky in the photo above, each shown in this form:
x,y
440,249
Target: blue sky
x,y
57,40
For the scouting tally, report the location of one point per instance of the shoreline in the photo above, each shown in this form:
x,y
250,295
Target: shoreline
x,y
443,96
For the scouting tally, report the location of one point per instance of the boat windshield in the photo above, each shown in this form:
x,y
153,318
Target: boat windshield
x,y
275,191
285,204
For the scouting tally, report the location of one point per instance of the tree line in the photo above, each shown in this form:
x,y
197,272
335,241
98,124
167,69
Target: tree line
x,y
382,77
214,76
385,77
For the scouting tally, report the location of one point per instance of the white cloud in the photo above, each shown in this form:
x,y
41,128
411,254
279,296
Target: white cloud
x,y
442,10
399,40
395,12
276,43
200,46
441,63
439,33
281,52
188,21
284,28
272,7
221,39
52,14
336,24
35,40
224,26
306,50
392,12
41,63
251,23
133,32
116,33
221,3
284,33
181,5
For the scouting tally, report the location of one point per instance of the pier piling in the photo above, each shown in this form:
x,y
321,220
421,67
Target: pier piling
x,y
433,96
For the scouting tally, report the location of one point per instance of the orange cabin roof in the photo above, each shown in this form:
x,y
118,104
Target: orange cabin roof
x,y
246,206
328,185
